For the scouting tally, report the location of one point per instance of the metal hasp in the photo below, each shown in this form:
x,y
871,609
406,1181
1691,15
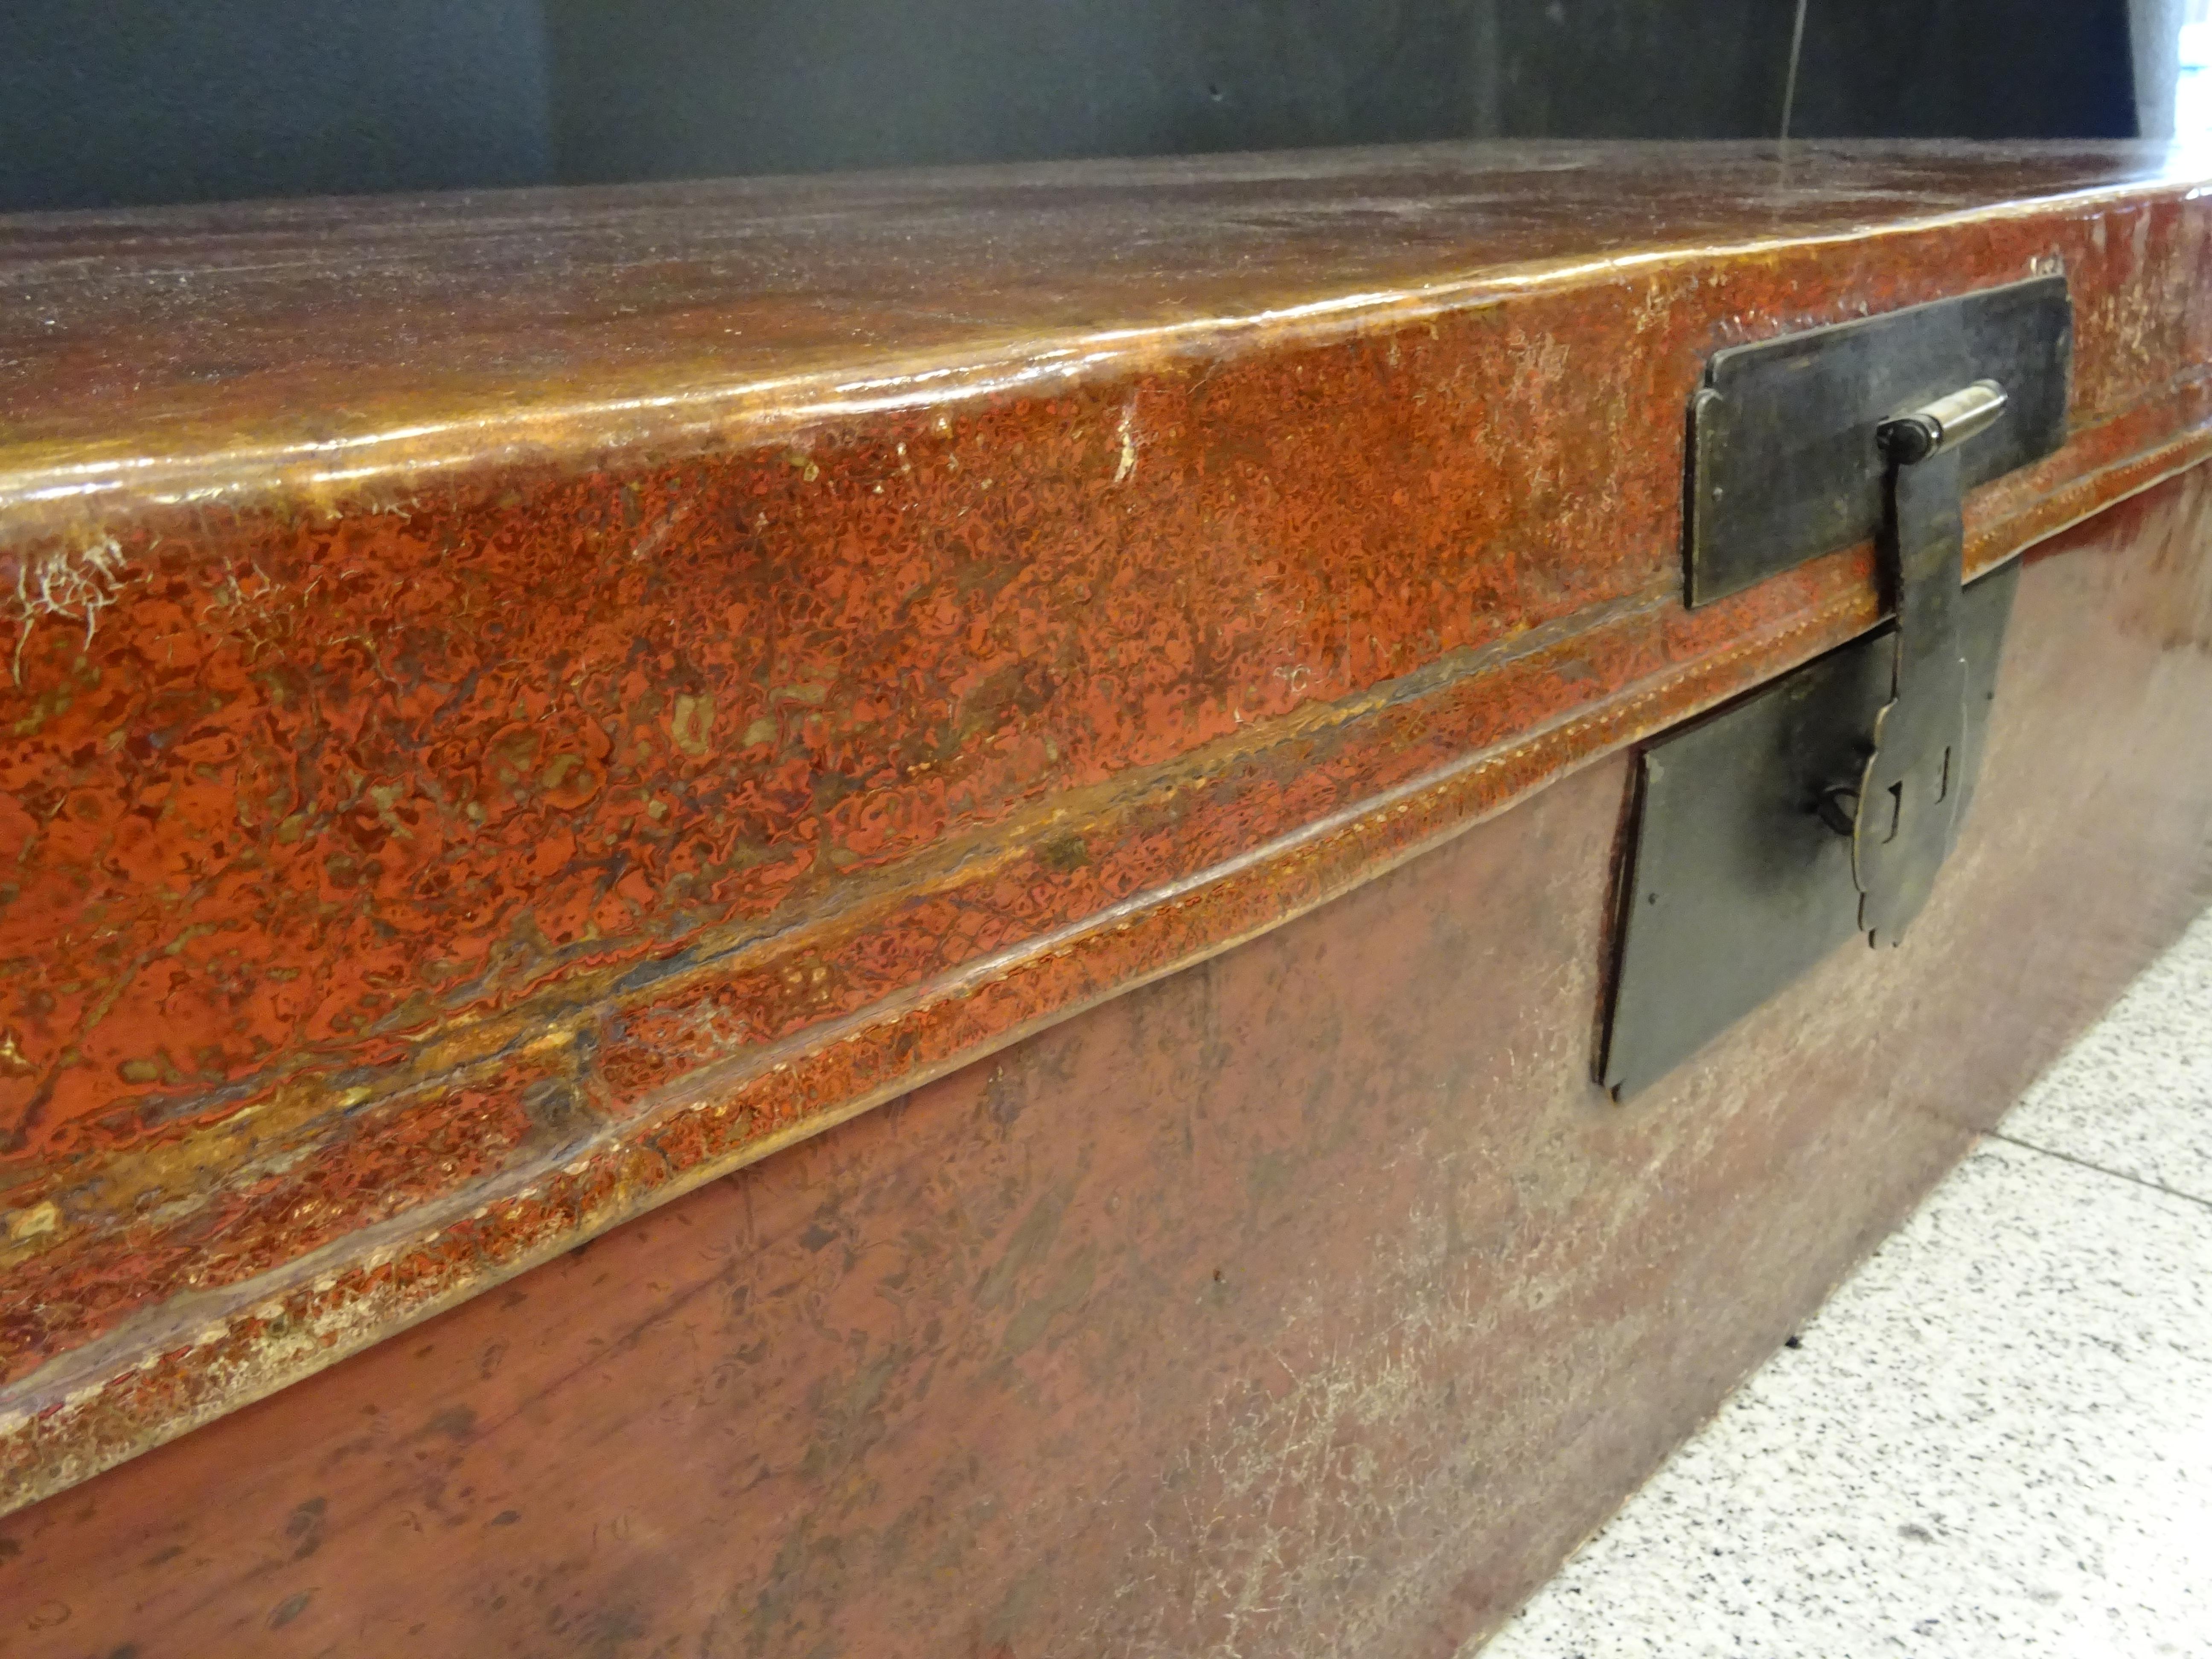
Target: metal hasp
x,y
1905,807
1825,804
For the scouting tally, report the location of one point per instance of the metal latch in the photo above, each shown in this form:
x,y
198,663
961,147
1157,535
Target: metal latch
x,y
1825,804
1904,813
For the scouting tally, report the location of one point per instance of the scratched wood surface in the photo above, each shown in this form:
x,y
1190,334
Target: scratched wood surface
x,y
1309,1301
519,704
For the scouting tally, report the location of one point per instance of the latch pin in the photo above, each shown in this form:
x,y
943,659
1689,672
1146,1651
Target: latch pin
x,y
1952,420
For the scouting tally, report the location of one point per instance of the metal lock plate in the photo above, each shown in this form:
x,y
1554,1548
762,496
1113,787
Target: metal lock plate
x,y
1784,462
1825,803
1735,885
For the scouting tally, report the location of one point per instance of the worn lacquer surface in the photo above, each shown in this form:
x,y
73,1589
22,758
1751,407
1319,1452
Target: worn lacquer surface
x,y
1310,1301
516,704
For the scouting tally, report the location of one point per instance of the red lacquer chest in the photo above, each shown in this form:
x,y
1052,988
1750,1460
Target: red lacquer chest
x,y
879,916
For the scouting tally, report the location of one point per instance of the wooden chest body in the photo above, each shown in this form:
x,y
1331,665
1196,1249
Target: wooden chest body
x,y
1034,764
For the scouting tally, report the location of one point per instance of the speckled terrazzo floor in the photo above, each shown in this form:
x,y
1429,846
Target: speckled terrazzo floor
x,y
1996,1438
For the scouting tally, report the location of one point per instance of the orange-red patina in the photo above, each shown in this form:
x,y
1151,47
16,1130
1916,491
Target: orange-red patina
x,y
522,703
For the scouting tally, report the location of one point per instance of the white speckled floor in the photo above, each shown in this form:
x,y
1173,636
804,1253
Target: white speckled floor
x,y
1996,1441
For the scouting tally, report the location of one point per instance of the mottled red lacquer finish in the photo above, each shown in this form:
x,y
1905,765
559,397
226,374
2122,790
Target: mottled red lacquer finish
x,y
1311,1302
517,703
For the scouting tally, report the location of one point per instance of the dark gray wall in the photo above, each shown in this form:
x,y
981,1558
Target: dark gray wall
x,y
1628,69
109,103
1967,69
1868,68
705,87
118,101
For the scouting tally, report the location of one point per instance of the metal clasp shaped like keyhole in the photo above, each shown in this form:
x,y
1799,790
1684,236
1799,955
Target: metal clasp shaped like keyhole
x,y
1902,812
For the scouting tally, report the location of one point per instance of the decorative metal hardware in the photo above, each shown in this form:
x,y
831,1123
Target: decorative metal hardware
x,y
1906,803
1825,803
1784,462
1735,885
